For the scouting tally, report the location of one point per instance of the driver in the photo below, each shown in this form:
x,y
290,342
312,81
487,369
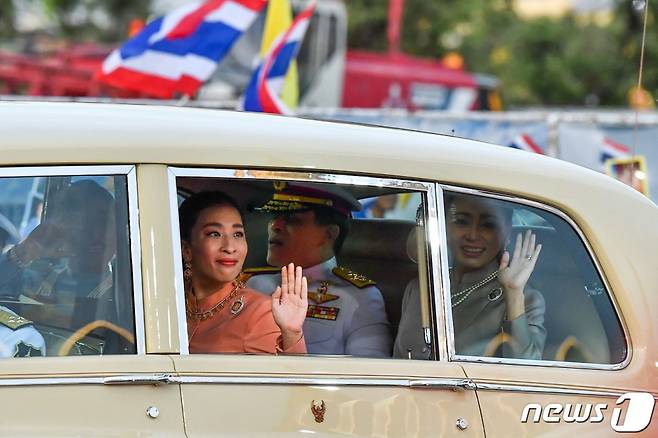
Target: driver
x,y
68,254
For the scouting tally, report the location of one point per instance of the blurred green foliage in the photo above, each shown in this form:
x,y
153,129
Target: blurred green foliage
x,y
104,20
92,20
571,61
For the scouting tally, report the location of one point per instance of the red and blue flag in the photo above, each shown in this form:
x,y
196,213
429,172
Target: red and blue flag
x,y
610,149
264,88
176,53
525,143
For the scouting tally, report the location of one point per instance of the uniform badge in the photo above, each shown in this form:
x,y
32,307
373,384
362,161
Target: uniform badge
x,y
26,350
13,321
352,277
321,295
322,312
237,305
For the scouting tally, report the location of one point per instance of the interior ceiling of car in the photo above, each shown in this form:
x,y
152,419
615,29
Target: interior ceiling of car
x,y
254,193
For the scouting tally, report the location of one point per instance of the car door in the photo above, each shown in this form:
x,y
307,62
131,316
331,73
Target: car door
x,y
573,377
71,314
261,395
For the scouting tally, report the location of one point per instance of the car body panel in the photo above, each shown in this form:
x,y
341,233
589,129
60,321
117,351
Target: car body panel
x,y
374,398
67,396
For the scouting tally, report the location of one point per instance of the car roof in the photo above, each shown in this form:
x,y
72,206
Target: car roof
x,y
56,133
38,133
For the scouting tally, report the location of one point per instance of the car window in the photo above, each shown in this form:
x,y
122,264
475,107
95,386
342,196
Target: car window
x,y
65,269
524,286
356,288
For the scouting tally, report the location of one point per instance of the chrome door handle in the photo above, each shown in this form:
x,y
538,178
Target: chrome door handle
x,y
452,384
141,379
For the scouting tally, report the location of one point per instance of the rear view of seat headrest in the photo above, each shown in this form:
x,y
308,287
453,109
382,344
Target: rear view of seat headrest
x,y
378,239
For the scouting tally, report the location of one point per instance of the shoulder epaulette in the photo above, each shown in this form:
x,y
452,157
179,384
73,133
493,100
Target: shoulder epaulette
x,y
250,272
13,321
352,277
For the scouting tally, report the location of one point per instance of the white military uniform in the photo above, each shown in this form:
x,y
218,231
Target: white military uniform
x,y
346,312
18,338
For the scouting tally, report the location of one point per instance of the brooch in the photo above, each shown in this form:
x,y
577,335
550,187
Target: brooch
x,y
237,305
495,294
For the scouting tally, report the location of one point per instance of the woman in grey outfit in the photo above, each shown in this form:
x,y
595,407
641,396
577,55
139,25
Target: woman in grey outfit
x,y
494,312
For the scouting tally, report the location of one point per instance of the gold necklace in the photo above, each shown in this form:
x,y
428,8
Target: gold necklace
x,y
202,316
464,294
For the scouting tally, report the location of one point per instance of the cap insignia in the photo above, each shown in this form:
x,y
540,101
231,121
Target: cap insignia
x,y
279,185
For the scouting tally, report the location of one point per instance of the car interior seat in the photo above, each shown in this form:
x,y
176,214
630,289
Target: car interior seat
x,y
574,329
378,249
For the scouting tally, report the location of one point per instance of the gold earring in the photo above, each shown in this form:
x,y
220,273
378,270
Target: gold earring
x,y
187,271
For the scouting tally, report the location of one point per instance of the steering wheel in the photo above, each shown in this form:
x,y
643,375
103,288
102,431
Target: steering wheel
x,y
83,331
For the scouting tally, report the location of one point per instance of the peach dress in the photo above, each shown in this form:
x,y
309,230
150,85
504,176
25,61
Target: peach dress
x,y
242,324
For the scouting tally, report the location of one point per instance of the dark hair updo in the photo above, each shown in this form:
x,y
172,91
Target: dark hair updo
x,y
191,208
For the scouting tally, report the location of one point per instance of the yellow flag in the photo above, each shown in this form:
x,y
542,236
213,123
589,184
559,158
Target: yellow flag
x,y
277,21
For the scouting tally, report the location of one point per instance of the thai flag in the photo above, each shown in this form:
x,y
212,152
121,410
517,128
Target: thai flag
x,y
611,149
177,53
262,93
525,143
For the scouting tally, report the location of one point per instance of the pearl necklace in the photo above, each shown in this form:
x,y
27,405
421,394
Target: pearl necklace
x,y
463,295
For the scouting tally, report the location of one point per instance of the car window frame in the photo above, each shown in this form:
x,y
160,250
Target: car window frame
x,y
447,309
129,171
432,193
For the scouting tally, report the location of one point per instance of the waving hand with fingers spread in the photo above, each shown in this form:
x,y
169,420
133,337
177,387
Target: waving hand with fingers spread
x,y
289,304
514,274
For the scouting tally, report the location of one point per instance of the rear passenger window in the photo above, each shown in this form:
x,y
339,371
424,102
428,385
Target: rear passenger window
x,y
65,271
356,244
523,286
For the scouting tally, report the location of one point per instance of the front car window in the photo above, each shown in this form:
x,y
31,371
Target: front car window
x,y
65,270
523,286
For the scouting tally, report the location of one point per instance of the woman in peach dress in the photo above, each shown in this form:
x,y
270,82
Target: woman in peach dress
x,y
223,316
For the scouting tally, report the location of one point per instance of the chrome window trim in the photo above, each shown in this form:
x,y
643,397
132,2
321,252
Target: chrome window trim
x,y
437,253
246,173
179,286
323,382
590,252
310,175
133,221
52,381
442,299
14,171
540,389
451,384
136,261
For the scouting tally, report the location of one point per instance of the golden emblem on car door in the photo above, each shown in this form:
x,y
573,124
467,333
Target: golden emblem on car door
x,y
318,410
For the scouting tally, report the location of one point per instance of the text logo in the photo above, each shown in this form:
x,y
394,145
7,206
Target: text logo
x,y
638,407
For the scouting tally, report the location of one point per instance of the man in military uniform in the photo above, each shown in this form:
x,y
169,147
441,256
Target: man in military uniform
x,y
69,253
346,312
18,338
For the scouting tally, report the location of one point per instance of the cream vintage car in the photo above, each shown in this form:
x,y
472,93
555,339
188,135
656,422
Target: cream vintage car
x,y
116,359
